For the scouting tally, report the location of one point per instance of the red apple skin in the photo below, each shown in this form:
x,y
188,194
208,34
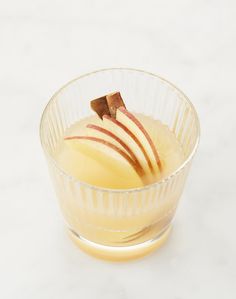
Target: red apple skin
x,y
123,127
139,170
141,127
121,142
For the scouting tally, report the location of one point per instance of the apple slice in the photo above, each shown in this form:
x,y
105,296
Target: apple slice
x,y
134,125
129,138
102,133
114,101
106,153
100,106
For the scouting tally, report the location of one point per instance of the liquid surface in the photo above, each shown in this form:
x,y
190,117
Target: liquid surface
x,y
88,168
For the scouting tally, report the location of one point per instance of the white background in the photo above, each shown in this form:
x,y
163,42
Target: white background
x,y
44,44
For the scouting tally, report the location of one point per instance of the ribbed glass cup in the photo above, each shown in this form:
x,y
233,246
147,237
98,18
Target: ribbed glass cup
x,y
119,224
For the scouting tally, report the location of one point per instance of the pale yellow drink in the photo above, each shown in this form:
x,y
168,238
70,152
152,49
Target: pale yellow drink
x,y
113,229
87,167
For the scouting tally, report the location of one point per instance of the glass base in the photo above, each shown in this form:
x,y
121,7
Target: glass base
x,y
123,253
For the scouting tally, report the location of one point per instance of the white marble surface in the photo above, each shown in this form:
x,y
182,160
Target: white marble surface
x,y
43,44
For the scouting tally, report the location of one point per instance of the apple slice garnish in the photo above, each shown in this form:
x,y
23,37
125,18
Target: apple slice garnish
x,y
128,137
120,142
106,152
134,125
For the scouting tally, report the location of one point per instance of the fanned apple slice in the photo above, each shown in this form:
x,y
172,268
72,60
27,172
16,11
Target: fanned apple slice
x,y
99,132
134,125
129,138
114,101
108,154
100,106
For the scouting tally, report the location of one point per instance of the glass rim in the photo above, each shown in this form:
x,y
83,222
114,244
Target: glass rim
x,y
128,190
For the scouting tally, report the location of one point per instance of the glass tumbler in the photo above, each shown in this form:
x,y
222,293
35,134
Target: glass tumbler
x,y
119,224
